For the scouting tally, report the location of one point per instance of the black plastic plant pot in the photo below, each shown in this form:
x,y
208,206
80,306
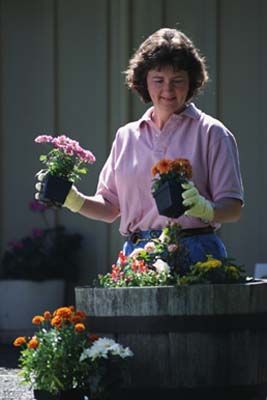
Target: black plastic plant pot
x,y
55,189
169,199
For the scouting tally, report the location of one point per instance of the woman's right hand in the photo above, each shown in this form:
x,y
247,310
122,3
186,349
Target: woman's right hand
x,y
74,200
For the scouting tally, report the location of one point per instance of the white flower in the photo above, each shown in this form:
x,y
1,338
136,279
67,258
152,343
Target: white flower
x,y
150,247
102,347
162,266
136,252
172,248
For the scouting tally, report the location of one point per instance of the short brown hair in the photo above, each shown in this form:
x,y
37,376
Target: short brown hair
x,y
166,47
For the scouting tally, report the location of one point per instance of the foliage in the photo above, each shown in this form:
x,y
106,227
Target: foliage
x,y
48,253
66,159
178,170
213,270
162,262
158,263
63,355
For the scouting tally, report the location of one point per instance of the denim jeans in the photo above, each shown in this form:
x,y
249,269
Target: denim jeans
x,y
197,246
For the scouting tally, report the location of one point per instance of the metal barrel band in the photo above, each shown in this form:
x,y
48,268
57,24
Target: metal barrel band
x,y
179,323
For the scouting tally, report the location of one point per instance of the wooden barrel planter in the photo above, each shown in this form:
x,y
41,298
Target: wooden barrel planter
x,y
190,341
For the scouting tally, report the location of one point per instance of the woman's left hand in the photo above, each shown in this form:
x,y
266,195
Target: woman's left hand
x,y
199,207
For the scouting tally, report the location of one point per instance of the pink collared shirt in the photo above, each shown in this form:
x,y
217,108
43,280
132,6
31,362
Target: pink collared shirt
x,y
125,180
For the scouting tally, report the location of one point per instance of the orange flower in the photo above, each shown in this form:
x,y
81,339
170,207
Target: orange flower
x,y
47,315
72,308
161,167
63,312
37,320
56,321
79,327
33,343
93,337
154,170
75,319
139,266
181,166
19,341
80,314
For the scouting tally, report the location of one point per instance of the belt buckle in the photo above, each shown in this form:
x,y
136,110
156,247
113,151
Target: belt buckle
x,y
154,234
135,237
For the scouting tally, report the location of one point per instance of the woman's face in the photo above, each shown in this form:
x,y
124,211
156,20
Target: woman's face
x,y
168,89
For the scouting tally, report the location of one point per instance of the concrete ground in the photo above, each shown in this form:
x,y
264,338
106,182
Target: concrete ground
x,y
10,386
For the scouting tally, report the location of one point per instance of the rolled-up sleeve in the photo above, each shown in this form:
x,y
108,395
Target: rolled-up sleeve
x,y
225,178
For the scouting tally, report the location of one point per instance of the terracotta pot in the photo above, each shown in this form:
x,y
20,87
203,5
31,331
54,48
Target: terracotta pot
x,y
55,189
169,199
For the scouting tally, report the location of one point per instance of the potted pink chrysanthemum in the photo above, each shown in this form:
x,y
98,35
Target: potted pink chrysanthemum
x,y
64,163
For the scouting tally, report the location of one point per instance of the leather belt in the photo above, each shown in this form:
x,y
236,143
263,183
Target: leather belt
x,y
138,236
196,231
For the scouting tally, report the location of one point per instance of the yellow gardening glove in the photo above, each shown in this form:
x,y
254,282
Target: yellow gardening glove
x,y
198,206
74,200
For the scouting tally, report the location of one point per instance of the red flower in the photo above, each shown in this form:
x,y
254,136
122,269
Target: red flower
x,y
139,266
122,259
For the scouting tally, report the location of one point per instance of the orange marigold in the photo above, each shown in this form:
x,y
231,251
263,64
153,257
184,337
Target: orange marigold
x,y
19,341
80,314
93,337
182,166
75,319
47,315
79,327
38,319
161,167
33,343
63,312
56,321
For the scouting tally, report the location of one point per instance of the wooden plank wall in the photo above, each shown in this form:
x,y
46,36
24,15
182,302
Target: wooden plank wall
x,y
61,71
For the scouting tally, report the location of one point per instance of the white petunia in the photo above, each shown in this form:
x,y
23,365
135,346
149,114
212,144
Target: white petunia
x,y
162,266
150,247
136,252
102,347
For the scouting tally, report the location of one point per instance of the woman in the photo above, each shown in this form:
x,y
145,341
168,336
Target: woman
x,y
168,70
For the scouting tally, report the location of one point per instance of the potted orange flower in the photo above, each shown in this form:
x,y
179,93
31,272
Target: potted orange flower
x,y
167,185
64,361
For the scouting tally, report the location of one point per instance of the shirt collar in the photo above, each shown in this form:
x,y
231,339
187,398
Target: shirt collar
x,y
190,111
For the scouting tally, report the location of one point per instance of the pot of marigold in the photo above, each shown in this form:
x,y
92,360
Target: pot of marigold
x,y
64,360
167,185
64,164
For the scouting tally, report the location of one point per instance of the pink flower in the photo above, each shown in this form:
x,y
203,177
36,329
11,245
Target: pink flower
x,y
68,150
85,155
59,143
172,248
89,157
43,139
36,205
61,140
36,232
15,244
